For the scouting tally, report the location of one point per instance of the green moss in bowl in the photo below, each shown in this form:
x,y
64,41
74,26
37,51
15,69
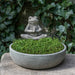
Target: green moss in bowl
x,y
42,46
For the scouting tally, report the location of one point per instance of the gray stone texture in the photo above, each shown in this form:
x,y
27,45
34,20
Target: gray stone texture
x,y
8,67
37,61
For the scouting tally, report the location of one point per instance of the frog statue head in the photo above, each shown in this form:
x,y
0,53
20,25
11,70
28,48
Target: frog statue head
x,y
33,20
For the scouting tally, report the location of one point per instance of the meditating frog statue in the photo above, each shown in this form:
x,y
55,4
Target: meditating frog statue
x,y
33,29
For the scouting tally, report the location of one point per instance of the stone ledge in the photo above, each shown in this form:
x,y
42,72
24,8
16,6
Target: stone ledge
x,y
8,67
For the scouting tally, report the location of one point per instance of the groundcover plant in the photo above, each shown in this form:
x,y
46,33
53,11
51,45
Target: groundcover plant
x,y
42,46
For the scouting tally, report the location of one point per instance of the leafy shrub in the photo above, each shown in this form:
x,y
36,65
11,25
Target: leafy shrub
x,y
9,10
41,46
55,14
59,16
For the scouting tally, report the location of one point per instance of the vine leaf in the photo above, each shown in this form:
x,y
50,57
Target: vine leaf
x,y
68,14
69,46
61,29
41,1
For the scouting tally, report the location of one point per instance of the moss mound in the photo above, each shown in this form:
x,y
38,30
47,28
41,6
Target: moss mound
x,y
41,46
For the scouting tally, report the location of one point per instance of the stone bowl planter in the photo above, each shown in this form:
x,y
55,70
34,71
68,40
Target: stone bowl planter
x,y
37,61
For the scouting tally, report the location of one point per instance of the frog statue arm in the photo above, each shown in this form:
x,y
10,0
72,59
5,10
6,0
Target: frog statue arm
x,y
26,29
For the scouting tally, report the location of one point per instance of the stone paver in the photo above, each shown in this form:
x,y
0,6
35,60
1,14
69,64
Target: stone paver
x,y
8,67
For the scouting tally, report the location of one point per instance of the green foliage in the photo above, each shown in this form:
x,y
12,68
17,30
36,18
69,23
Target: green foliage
x,y
41,46
58,14
9,10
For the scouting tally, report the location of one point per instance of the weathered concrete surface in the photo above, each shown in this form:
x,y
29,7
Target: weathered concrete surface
x,y
9,68
0,68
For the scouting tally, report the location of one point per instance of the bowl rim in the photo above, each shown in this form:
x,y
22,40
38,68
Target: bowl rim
x,y
11,49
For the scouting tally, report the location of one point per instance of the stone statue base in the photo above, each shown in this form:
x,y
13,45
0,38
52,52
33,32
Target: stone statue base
x,y
26,36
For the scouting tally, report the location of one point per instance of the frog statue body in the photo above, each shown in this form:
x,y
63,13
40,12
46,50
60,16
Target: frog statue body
x,y
33,28
33,25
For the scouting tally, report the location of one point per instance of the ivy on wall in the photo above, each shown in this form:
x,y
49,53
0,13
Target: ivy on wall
x,y
58,15
9,9
55,14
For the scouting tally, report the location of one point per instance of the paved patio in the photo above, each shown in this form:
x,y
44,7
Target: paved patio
x,y
8,67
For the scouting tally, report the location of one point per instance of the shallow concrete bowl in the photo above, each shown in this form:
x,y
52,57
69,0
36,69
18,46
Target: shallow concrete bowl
x,y
37,61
